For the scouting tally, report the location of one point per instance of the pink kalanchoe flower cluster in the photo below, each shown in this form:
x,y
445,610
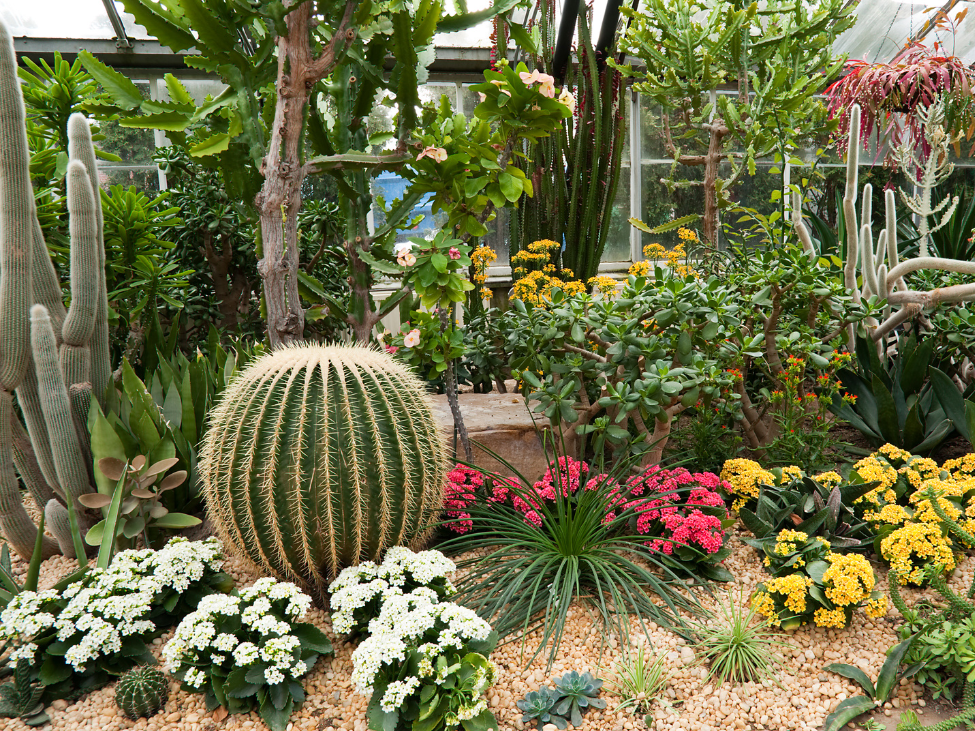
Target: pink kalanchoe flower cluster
x,y
668,504
459,495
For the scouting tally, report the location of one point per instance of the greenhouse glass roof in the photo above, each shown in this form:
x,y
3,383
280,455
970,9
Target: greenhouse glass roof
x,y
883,27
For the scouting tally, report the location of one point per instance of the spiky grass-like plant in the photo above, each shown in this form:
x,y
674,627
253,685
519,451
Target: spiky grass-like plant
x,y
319,457
527,574
639,680
738,647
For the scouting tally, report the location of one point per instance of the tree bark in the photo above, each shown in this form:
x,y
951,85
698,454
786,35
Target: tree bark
x,y
229,282
280,198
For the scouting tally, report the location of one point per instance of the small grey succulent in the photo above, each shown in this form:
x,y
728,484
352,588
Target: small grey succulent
x,y
577,693
538,705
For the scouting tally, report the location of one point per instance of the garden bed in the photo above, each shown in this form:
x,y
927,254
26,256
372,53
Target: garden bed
x,y
805,693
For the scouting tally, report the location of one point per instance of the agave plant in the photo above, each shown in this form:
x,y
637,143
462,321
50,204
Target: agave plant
x,y
890,94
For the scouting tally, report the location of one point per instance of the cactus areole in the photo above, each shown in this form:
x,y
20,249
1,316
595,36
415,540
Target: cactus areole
x,y
319,457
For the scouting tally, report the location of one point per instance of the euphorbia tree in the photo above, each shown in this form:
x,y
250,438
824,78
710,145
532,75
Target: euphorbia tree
x,y
776,58
308,82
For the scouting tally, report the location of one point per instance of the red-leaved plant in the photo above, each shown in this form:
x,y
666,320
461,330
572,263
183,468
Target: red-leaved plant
x,y
890,93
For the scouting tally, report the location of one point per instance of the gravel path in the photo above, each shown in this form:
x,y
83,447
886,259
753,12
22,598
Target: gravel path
x,y
806,696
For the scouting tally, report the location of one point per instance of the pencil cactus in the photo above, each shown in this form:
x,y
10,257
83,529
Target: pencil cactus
x,y
46,354
319,457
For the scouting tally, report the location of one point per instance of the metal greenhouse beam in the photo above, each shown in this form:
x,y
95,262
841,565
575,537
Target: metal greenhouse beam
x,y
121,37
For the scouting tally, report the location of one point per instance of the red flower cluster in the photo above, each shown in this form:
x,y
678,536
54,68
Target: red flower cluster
x,y
673,507
462,483
669,502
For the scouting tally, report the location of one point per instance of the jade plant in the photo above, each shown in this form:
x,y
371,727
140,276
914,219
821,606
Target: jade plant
x,y
320,457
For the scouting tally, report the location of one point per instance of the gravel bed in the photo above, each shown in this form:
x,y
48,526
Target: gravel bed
x,y
798,698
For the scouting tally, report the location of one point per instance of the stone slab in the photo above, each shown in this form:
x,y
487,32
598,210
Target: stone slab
x,y
503,424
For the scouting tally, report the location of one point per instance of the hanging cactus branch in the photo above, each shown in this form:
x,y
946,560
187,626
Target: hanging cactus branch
x,y
881,271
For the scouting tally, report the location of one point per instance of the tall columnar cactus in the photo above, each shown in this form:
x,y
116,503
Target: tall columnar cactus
x,y
49,356
319,457
881,270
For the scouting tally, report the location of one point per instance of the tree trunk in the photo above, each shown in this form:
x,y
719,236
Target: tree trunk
x,y
280,198
229,283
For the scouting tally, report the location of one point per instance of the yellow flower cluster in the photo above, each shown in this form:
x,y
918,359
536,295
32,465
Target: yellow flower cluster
x,y
788,541
639,269
745,477
824,617
920,542
535,287
481,258
606,285
794,588
828,479
849,580
685,234
791,473
876,607
891,513
961,467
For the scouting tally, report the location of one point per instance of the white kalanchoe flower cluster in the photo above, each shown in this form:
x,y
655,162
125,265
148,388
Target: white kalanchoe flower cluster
x,y
401,572
199,640
400,605
405,622
97,613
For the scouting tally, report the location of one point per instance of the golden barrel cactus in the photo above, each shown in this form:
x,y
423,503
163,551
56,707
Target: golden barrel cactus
x,y
322,456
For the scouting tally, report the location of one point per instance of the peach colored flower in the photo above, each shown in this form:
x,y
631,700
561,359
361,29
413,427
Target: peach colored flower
x,y
412,339
568,98
547,87
529,77
454,252
437,154
406,259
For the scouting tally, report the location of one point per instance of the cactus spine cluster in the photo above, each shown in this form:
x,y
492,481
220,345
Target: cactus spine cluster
x,y
49,356
141,692
319,457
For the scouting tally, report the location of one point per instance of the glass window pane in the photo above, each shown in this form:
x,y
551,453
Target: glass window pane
x,y
145,178
64,19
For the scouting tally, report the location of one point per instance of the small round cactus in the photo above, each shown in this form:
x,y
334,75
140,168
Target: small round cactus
x,y
141,692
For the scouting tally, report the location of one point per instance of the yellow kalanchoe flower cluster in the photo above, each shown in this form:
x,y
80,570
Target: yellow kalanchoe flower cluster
x,y
910,548
481,258
746,478
605,284
674,259
828,479
824,617
876,607
535,286
849,580
795,589
788,541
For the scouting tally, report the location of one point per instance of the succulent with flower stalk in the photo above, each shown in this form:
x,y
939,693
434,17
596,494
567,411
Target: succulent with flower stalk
x,y
319,457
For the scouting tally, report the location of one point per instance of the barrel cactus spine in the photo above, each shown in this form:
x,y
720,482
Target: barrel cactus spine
x,y
141,692
319,457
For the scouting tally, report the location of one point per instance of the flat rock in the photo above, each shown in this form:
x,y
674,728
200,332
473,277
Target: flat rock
x,y
502,423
